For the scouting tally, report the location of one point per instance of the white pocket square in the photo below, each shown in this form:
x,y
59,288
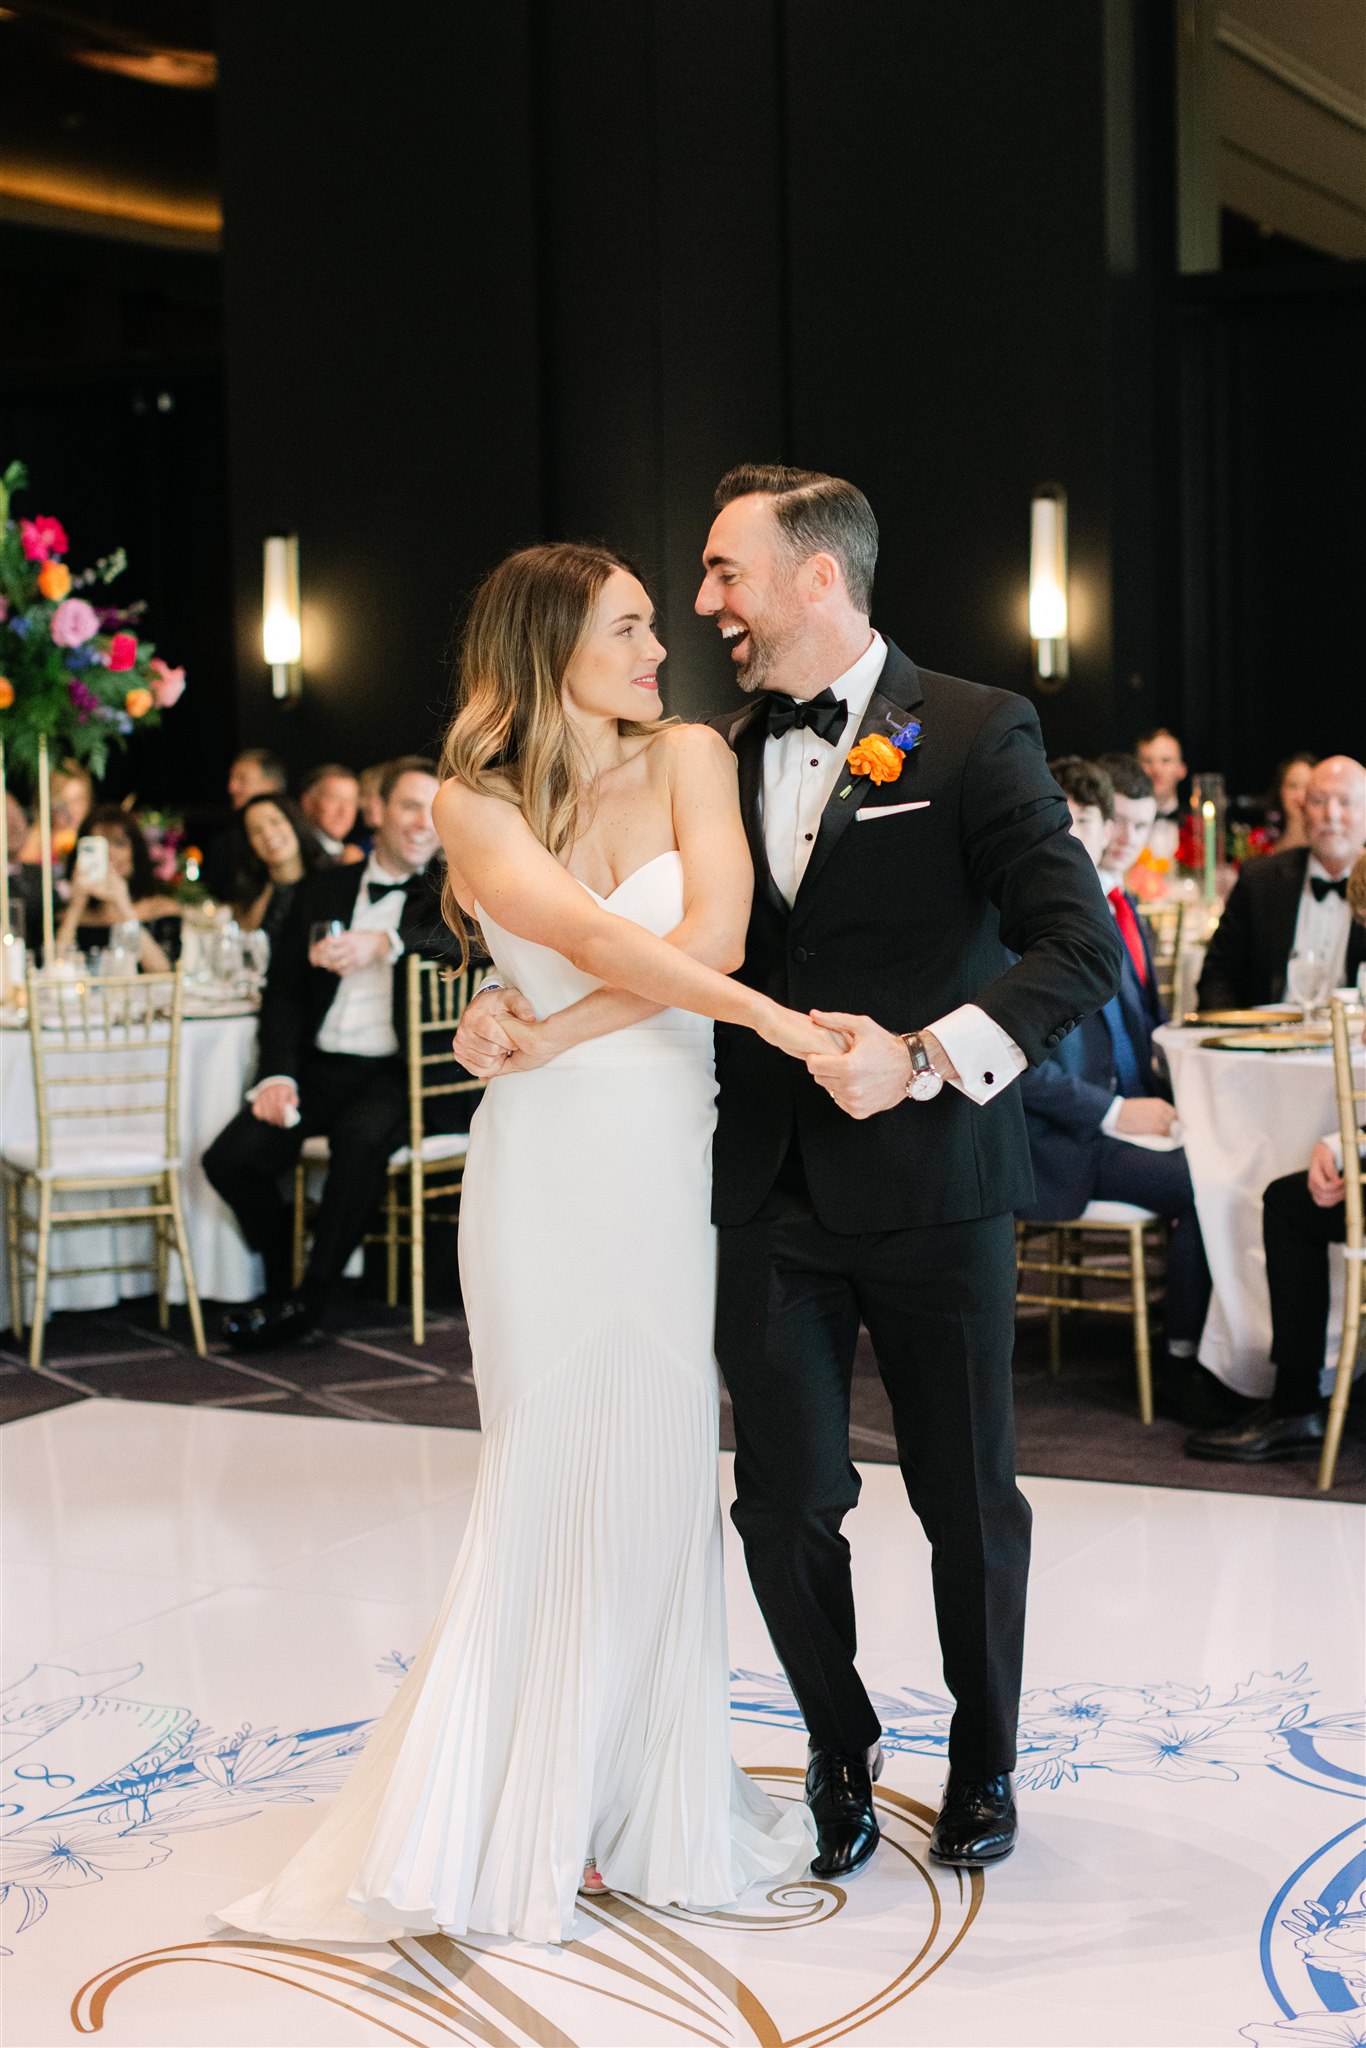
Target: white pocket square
x,y
890,811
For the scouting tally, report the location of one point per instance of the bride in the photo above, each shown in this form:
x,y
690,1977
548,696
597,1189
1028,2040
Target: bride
x,y
566,1724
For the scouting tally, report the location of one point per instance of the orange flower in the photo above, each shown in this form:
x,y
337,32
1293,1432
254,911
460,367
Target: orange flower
x,y
54,580
138,703
6,693
876,757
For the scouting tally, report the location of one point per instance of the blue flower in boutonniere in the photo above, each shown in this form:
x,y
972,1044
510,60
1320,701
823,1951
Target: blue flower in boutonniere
x,y
883,758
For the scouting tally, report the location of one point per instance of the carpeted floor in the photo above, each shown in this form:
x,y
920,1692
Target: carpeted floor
x,y
1083,1425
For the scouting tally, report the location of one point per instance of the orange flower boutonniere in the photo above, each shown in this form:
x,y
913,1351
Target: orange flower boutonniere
x,y
876,757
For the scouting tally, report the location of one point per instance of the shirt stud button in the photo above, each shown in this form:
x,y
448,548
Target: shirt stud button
x,y
809,835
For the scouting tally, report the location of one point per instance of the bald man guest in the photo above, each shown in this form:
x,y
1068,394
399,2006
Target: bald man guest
x,y
1286,903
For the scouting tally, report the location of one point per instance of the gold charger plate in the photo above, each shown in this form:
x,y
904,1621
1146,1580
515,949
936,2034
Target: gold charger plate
x,y
1269,1041
1255,1019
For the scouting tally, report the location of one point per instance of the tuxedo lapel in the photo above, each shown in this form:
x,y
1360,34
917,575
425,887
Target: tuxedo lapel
x,y
898,692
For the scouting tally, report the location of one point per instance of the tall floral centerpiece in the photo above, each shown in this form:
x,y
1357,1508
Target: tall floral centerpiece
x,y
75,672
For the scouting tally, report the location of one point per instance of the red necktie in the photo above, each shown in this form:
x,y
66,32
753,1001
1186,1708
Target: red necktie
x,y
1129,932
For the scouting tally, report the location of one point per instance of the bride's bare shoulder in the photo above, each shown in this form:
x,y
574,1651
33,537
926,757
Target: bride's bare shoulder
x,y
696,750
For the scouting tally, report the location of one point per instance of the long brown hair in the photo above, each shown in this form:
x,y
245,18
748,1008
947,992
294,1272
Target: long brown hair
x,y
510,736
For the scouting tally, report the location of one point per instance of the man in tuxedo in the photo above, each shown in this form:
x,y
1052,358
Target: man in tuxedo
x,y
1294,903
333,1019
880,1186
1098,1112
1162,761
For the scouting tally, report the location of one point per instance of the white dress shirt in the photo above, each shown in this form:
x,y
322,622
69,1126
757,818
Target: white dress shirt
x,y
1323,928
800,774
360,1017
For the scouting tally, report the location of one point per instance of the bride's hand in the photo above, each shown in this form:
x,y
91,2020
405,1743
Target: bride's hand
x,y
792,1032
535,1045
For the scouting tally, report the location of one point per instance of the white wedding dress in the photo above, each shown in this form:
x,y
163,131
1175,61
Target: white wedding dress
x,y
572,1699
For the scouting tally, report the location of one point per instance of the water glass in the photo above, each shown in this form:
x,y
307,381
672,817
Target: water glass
x,y
1306,980
321,932
255,957
1361,985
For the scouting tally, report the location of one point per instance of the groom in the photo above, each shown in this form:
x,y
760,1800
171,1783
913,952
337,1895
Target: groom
x,y
879,1187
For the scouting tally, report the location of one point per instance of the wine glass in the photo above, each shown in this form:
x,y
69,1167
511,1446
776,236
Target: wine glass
x,y
1306,979
320,933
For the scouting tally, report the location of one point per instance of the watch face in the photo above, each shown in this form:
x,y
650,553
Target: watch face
x,y
925,1087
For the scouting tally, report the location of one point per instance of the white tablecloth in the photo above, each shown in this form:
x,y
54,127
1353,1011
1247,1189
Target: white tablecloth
x,y
1248,1118
216,1059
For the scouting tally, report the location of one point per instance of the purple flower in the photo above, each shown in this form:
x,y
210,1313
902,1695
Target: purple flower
x,y
84,700
19,625
80,657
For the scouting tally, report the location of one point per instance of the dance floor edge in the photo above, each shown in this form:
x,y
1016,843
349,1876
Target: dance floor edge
x,y
204,1608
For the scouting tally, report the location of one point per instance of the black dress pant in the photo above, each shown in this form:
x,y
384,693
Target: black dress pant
x,y
361,1107
939,1306
1297,1233
1161,1181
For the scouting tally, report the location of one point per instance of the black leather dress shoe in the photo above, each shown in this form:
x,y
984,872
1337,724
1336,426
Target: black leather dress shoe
x,y
1261,1438
977,1822
262,1325
839,1791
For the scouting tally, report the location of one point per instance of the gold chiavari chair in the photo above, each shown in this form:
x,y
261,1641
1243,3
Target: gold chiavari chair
x,y
1072,1258
426,1174
1166,924
106,1072
1351,1117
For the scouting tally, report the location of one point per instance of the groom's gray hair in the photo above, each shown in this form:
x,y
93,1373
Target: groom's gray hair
x,y
817,514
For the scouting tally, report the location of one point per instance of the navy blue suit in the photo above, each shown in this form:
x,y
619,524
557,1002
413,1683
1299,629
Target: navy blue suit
x,y
1066,1098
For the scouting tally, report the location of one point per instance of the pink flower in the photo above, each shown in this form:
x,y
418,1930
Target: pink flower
x,y
167,684
74,622
123,652
42,538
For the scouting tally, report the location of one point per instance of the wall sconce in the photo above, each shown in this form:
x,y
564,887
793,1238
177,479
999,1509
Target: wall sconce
x,y
1048,585
281,618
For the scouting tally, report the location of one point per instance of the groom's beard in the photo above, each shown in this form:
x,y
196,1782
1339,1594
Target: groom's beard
x,y
762,655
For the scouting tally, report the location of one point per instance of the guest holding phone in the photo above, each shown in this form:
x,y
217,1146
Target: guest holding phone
x,y
113,883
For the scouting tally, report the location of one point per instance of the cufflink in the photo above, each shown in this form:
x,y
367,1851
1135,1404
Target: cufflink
x,y
988,1080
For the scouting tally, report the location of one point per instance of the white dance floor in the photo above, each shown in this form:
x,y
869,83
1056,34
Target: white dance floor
x,y
204,1608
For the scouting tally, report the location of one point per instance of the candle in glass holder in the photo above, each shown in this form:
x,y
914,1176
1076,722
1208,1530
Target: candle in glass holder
x,y
1207,811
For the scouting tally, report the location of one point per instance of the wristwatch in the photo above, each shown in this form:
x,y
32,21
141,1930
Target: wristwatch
x,y
924,1083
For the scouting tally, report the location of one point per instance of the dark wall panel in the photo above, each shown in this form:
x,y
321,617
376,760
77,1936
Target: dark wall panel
x,y
949,312
381,336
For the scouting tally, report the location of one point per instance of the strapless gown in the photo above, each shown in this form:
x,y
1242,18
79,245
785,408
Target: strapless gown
x,y
572,1698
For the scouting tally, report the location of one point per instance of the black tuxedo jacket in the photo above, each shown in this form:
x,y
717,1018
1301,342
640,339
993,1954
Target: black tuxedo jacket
x,y
1250,951
902,918
297,995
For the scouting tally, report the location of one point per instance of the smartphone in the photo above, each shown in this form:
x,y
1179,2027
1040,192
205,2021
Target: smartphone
x,y
92,858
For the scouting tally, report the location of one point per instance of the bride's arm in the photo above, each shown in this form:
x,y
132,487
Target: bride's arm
x,y
718,881
528,893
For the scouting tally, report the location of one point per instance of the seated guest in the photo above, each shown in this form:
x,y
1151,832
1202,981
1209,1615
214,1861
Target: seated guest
x,y
1133,823
128,894
369,806
1294,902
1092,1102
71,793
329,797
1285,803
332,1034
25,880
282,851
255,771
1160,757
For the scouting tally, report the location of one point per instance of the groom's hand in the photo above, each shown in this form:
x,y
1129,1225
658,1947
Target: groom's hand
x,y
873,1073
481,1045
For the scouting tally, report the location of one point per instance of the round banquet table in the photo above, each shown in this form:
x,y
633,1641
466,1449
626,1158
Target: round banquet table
x,y
1247,1119
217,1054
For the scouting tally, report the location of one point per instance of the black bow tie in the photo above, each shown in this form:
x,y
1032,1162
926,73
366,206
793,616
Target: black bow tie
x,y
1322,887
377,889
824,715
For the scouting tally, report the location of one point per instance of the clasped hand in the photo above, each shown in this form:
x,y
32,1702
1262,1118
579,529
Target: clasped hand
x,y
346,952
